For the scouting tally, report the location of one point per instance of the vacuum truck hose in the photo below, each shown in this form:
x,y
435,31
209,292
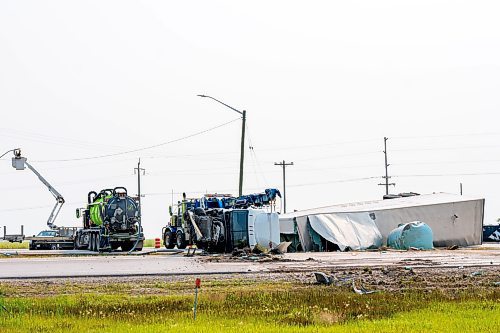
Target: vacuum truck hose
x,y
138,235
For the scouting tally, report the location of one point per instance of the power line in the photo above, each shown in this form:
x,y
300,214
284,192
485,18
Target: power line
x,y
446,135
35,207
336,181
446,162
144,148
319,145
446,148
340,155
257,166
450,174
260,189
65,141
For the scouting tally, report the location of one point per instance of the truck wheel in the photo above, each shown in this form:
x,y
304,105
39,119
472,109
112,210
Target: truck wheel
x,y
180,242
92,242
127,246
98,242
139,246
53,247
168,240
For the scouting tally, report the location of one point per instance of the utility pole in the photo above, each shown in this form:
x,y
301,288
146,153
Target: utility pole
x,y
242,151
386,169
138,171
284,165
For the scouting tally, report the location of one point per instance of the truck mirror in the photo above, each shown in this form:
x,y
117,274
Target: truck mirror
x,y
78,213
170,210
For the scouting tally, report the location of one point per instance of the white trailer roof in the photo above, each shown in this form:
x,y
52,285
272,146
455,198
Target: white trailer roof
x,y
405,202
454,219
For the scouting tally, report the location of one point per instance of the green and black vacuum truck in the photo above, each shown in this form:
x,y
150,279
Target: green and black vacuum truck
x,y
111,220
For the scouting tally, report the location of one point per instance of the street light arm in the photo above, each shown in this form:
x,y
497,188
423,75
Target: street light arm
x,y
215,99
242,151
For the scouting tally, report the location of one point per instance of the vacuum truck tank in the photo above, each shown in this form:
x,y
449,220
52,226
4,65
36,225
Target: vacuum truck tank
x,y
110,220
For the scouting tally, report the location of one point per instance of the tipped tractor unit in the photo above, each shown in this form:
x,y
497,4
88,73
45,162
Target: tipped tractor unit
x,y
222,223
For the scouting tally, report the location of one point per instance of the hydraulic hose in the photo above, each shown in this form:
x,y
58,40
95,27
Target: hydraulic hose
x,y
138,234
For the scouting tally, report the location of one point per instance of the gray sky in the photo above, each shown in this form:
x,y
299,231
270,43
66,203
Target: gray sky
x,y
322,81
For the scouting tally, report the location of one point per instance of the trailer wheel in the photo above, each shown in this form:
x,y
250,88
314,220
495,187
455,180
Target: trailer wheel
x,y
168,240
180,242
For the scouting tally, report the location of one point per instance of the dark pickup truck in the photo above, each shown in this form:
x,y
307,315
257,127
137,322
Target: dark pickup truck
x,y
62,238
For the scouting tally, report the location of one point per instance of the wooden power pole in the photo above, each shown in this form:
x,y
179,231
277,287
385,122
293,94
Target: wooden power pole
x,y
284,165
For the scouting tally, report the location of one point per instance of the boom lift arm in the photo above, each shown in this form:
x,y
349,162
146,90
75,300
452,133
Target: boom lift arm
x,y
19,163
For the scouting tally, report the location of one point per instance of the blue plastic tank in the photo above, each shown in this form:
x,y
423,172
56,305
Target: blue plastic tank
x,y
413,234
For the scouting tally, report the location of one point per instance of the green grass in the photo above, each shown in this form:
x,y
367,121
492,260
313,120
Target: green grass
x,y
13,246
151,243
256,308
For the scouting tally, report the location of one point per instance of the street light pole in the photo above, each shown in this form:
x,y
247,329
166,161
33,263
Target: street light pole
x,y
242,151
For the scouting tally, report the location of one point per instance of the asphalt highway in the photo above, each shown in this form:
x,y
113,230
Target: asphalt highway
x,y
59,264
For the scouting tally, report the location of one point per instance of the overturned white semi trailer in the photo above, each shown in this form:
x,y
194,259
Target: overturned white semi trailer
x,y
454,220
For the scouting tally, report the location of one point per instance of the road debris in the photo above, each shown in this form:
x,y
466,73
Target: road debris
x,y
362,290
281,248
322,278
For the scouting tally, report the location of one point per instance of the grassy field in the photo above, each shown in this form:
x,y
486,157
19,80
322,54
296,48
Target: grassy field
x,y
13,246
261,307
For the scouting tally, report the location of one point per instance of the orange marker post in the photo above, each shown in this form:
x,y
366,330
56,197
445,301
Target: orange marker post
x,y
196,287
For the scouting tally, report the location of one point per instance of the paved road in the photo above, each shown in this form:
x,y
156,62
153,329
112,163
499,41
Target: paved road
x,y
59,265
111,266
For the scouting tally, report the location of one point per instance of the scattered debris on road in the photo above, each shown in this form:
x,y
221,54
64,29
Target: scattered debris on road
x,y
362,290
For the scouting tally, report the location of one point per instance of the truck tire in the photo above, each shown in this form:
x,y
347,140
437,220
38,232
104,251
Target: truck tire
x,y
180,241
168,240
127,246
139,246
98,242
54,247
92,242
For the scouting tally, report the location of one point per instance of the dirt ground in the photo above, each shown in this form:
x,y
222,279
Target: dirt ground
x,y
391,279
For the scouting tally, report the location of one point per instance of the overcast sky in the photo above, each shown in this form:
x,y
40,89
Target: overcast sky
x,y
322,82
